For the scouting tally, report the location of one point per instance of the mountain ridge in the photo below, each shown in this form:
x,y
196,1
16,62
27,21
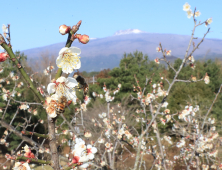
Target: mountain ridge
x,y
109,50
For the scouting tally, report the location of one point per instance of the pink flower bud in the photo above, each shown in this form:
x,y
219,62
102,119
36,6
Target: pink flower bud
x,y
77,35
3,57
83,39
63,29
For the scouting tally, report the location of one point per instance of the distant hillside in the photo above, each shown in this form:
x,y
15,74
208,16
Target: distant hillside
x,y
106,52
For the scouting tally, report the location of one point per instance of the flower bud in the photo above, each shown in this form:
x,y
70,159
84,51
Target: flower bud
x,y
83,39
77,35
3,57
63,29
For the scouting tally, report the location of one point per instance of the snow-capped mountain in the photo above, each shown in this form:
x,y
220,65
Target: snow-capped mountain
x,y
107,52
129,31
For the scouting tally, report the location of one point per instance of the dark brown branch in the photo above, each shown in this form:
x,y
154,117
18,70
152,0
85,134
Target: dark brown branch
x,y
19,134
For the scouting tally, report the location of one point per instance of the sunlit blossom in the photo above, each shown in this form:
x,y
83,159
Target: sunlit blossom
x,y
197,13
21,166
186,7
168,52
64,87
24,107
207,79
87,134
5,97
63,29
68,59
157,61
189,13
4,28
209,21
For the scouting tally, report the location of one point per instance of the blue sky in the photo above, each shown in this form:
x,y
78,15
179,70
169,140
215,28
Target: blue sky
x,y
35,23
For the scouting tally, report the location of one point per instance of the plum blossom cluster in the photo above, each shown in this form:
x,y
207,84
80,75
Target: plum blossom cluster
x,y
108,93
158,91
28,154
195,139
48,70
62,87
165,52
191,61
190,13
63,29
6,94
82,154
3,139
64,93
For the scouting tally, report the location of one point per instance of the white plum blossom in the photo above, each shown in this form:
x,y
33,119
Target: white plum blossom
x,y
21,166
168,52
207,79
189,13
181,143
108,97
103,163
87,100
209,21
157,61
2,141
11,74
186,7
197,13
46,72
51,108
101,96
103,115
4,28
87,134
68,59
82,153
24,107
158,49
91,151
94,94
101,140
64,87
168,139
4,96
165,104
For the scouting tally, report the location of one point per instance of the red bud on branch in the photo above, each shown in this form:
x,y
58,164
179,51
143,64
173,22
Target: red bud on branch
x,y
3,57
63,29
83,39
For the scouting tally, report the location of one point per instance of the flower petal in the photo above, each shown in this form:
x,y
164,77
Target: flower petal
x,y
51,88
75,50
84,166
91,156
78,65
89,146
59,61
54,97
71,82
94,150
71,95
61,79
63,50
